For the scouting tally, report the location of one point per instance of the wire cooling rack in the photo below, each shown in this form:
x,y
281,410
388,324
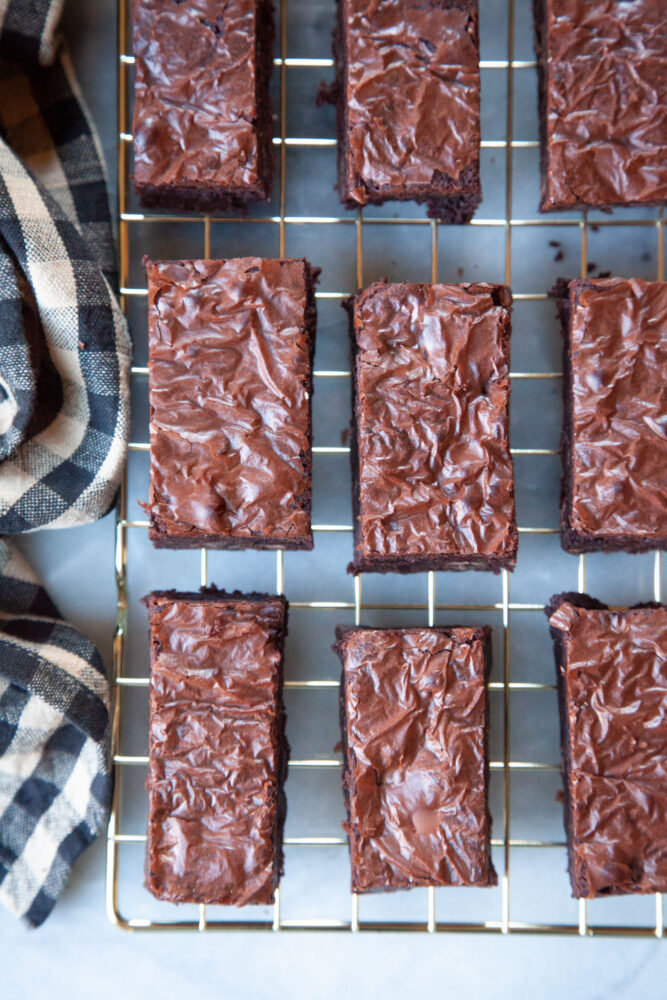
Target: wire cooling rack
x,y
507,240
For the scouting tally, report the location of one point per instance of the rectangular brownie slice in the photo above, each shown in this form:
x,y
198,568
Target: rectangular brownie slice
x,y
230,383
433,479
612,682
614,494
602,70
218,754
408,95
414,716
202,115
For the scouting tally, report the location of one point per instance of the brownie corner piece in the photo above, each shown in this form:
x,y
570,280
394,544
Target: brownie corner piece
x,y
202,123
417,805
612,684
409,126
613,495
217,743
598,151
432,471
230,384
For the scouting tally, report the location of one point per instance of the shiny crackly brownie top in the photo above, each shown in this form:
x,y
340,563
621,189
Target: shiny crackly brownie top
x,y
195,93
415,774
215,747
614,670
432,393
618,450
230,384
606,102
411,93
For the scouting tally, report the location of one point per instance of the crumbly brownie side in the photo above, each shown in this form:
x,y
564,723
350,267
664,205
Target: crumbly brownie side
x,y
540,27
581,601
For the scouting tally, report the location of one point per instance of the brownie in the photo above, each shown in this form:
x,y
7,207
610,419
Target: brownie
x,y
414,716
230,385
202,115
612,682
602,70
407,93
614,494
433,480
218,754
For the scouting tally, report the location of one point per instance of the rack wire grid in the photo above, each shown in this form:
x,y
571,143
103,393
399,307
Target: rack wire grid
x,y
506,240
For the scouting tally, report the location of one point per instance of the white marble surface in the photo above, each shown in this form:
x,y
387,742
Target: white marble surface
x,y
79,953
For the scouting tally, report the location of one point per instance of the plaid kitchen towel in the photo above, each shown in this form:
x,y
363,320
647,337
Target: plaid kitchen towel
x,y
64,345
55,785
64,414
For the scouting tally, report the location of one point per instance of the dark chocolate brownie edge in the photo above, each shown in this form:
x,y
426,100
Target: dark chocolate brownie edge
x,y
197,197
311,275
540,27
349,305
486,636
572,540
213,593
283,755
264,123
294,543
419,564
347,780
579,886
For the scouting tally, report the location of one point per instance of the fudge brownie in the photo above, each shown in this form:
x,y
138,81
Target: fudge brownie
x,y
614,494
602,69
612,682
230,385
218,754
433,480
407,95
414,717
202,115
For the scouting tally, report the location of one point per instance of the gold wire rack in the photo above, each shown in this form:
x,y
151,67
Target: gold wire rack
x,y
125,683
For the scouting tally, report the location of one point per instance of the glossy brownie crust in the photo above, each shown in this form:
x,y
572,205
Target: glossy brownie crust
x,y
602,69
218,754
614,495
414,718
433,479
202,116
230,383
408,104
612,682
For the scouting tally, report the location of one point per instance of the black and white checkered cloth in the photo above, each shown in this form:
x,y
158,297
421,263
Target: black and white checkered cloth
x,y
64,417
64,346
55,785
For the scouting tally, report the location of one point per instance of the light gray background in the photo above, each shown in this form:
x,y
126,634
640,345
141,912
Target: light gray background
x,y
78,952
